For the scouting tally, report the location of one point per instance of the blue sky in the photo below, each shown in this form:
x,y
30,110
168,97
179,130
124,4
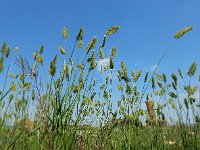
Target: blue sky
x,y
147,28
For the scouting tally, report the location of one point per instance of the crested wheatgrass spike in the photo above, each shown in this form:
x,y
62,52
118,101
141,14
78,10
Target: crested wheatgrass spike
x,y
38,57
11,75
124,69
112,30
80,35
7,51
80,44
101,54
182,32
174,77
192,69
113,51
111,63
41,49
62,50
92,44
65,33
13,86
164,77
3,48
52,67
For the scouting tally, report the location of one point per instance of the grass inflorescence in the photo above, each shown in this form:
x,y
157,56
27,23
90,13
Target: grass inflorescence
x,y
74,108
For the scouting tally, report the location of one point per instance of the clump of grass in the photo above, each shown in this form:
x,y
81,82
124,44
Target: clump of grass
x,y
73,107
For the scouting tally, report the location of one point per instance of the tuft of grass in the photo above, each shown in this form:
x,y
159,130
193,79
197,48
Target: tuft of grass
x,y
73,108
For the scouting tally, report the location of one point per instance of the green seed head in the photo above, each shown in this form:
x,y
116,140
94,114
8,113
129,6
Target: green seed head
x,y
182,32
65,33
62,50
92,44
112,30
80,35
113,52
7,51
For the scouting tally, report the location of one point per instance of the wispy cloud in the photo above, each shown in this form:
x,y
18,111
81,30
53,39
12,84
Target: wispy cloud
x,y
102,63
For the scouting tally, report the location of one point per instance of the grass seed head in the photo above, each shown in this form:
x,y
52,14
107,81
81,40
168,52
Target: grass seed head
x,y
1,64
112,30
111,63
52,68
62,50
113,52
65,33
92,44
41,50
8,52
80,35
182,32
192,69
101,53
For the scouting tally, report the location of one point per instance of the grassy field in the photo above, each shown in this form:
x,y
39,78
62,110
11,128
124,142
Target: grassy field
x,y
73,106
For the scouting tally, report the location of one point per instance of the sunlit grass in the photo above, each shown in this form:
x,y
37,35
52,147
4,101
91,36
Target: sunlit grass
x,y
73,110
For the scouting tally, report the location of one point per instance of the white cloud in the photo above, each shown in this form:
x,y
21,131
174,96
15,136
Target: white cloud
x,y
102,63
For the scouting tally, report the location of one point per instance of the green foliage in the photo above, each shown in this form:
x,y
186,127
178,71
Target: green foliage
x,y
73,110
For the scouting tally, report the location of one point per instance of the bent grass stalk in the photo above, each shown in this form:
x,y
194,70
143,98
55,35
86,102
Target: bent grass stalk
x,y
70,103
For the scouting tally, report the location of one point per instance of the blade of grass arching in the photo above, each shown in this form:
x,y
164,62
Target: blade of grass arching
x,y
4,86
3,96
14,141
3,120
178,35
159,62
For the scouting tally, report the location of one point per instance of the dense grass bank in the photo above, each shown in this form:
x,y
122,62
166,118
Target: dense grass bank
x,y
73,107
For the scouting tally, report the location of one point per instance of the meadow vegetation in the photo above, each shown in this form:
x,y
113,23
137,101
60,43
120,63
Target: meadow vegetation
x,y
74,109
